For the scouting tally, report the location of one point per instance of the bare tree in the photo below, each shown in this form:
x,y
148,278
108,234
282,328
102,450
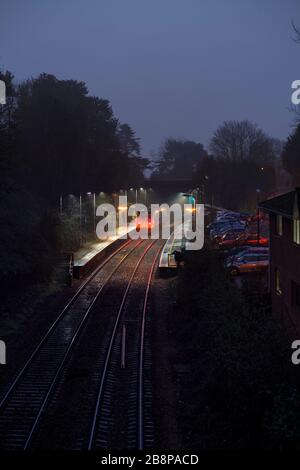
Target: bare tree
x,y
242,140
296,30
294,109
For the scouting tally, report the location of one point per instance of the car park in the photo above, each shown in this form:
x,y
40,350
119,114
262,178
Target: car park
x,y
244,239
237,230
218,229
239,250
250,262
224,226
229,219
230,222
227,214
230,234
237,253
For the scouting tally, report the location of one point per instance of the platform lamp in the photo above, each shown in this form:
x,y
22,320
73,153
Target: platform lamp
x,y
257,215
80,218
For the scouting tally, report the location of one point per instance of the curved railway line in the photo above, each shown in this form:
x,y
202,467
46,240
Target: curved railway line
x,y
87,384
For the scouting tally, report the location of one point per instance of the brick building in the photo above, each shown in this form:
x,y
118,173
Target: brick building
x,y
284,271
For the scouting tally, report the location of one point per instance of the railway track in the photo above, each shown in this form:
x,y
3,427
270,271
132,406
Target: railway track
x,y
123,395
25,399
51,403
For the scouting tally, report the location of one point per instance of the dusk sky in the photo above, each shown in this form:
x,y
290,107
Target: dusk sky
x,y
169,67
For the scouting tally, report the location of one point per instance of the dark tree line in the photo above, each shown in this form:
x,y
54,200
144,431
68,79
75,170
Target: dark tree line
x,y
234,184
291,151
67,141
242,159
243,162
55,139
178,159
291,155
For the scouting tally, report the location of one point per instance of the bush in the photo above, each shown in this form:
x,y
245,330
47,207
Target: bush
x,y
29,238
241,384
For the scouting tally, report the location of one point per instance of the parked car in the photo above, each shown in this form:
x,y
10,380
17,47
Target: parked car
x,y
250,262
224,219
255,217
231,222
221,229
236,250
237,253
244,239
230,234
236,230
227,214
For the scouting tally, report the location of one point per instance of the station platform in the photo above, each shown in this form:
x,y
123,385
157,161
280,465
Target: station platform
x,y
87,257
175,242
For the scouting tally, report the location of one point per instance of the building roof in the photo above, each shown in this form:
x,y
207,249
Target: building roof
x,y
287,204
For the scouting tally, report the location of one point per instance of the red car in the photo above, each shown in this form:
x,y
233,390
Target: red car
x,y
249,239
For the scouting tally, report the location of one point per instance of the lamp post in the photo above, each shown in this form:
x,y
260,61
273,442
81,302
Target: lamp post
x,y
191,196
135,191
257,215
80,218
94,209
60,204
93,195
142,190
149,197
212,194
